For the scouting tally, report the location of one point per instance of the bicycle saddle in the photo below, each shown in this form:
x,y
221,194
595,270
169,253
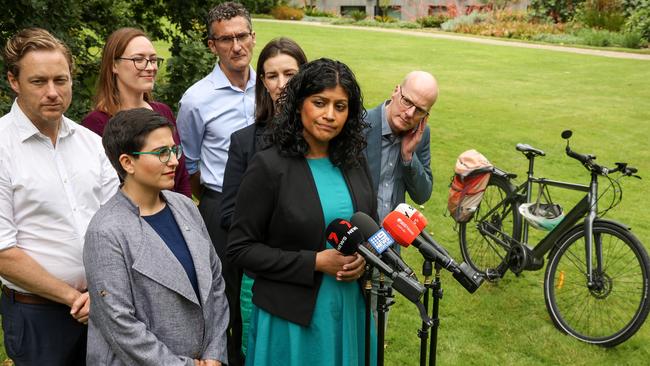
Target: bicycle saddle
x,y
527,149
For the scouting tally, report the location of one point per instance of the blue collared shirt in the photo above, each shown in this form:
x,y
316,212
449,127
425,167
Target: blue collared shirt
x,y
390,151
209,112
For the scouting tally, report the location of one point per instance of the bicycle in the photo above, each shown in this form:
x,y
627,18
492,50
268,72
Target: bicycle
x,y
596,280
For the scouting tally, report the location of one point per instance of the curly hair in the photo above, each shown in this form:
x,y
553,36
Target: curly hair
x,y
227,11
346,149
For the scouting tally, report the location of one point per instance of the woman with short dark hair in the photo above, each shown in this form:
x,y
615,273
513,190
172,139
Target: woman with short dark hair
x,y
154,278
309,307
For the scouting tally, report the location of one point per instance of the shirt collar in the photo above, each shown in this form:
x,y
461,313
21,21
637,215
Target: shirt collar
x,y
220,80
385,127
123,199
26,128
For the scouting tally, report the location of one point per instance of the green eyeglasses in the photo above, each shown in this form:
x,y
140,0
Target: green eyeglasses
x,y
164,153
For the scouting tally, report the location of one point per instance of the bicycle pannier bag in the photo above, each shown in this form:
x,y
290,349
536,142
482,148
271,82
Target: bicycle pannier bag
x,y
468,185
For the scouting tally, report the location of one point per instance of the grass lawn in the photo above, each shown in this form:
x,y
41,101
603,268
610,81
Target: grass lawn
x,y
491,98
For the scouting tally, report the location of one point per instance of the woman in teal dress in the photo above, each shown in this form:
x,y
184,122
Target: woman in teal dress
x,y
309,308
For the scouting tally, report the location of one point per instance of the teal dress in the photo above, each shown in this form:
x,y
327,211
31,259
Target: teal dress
x,y
336,335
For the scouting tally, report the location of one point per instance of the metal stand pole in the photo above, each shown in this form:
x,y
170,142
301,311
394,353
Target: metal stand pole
x,y
436,293
381,320
367,288
423,333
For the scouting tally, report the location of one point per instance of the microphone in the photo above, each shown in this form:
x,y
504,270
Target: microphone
x,y
406,233
381,242
347,239
421,222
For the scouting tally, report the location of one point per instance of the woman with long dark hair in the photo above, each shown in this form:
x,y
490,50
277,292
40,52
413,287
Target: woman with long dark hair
x,y
279,60
308,303
126,79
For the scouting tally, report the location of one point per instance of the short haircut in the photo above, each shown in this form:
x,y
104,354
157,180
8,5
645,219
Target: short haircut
x,y
32,39
346,149
227,11
264,108
107,97
127,132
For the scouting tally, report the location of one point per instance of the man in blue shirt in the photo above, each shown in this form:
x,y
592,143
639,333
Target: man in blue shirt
x,y
209,112
398,150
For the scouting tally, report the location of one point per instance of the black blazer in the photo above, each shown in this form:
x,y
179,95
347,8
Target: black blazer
x,y
278,227
244,144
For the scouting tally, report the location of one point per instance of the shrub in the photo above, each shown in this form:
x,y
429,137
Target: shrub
x,y
605,14
432,21
192,61
385,19
558,11
633,40
315,12
357,15
639,22
453,24
284,12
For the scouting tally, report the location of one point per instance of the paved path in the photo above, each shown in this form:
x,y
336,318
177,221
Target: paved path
x,y
458,37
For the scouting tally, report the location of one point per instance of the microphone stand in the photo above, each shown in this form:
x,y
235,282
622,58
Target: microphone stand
x,y
367,288
423,333
436,293
381,319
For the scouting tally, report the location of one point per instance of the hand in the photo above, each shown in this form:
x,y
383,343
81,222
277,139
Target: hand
x,y
332,262
81,308
352,271
411,140
206,363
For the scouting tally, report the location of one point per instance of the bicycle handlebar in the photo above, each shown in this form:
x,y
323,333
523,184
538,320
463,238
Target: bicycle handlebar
x,y
587,161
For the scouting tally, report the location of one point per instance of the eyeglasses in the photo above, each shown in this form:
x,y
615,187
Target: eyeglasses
x,y
141,63
230,40
407,103
164,153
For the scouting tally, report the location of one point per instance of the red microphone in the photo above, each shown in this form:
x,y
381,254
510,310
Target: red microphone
x,y
421,222
405,233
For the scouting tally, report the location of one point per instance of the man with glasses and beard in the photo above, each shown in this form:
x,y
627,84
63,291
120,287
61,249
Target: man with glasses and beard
x,y
209,112
398,151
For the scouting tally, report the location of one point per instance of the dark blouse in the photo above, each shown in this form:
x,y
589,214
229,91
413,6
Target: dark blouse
x,y
96,121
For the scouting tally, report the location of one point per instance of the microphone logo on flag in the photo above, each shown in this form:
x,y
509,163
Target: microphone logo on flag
x,y
381,241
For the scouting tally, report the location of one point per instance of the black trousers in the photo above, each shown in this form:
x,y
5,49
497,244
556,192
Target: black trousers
x,y
210,208
42,334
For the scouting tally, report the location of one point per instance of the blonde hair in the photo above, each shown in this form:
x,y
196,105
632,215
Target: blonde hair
x,y
107,97
32,39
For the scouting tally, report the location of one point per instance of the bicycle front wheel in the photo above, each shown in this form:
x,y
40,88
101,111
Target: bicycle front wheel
x,y
485,239
612,308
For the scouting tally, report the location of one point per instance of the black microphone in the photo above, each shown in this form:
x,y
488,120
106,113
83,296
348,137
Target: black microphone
x,y
381,242
421,222
347,239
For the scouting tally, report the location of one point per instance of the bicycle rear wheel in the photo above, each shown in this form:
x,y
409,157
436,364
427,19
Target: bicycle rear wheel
x,y
613,308
485,239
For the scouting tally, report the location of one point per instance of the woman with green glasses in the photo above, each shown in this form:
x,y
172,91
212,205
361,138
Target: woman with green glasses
x,y
154,278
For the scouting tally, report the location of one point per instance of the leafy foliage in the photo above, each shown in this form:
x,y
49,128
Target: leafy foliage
x,y
639,17
285,12
604,14
558,11
432,21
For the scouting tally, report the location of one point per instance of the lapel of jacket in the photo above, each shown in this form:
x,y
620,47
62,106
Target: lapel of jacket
x,y
156,261
373,149
198,245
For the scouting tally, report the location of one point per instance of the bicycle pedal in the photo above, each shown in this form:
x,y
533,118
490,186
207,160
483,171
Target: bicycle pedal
x,y
492,275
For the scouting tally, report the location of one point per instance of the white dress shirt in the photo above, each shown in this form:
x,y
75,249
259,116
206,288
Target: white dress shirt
x,y
49,194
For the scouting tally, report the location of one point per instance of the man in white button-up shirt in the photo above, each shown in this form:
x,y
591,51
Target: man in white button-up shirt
x,y
54,175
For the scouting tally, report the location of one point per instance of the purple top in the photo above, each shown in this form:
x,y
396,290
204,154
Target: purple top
x,y
96,122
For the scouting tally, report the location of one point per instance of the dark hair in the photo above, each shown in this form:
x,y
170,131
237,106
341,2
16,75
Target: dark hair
x,y
227,11
32,39
127,131
345,150
264,108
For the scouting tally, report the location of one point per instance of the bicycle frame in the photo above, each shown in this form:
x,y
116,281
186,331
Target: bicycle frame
x,y
586,207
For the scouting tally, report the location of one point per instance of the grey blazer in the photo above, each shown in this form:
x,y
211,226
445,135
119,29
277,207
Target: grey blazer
x,y
143,309
415,179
